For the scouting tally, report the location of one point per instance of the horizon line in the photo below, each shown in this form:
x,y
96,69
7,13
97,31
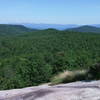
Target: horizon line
x,y
43,23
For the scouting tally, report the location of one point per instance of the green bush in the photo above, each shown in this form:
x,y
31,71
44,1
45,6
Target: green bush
x,y
69,76
94,71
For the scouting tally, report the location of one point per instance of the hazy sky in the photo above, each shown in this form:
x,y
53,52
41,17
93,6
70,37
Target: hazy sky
x,y
50,11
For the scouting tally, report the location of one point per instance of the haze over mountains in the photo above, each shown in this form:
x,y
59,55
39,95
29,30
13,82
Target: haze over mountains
x,y
95,28
13,29
56,26
46,26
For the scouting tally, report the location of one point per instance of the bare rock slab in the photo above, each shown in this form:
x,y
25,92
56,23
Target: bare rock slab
x,y
71,91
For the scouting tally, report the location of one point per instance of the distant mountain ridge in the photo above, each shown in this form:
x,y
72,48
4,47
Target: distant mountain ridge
x,y
96,25
46,26
85,28
56,26
13,29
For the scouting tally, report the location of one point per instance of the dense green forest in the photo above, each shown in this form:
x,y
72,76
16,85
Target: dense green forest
x,y
34,57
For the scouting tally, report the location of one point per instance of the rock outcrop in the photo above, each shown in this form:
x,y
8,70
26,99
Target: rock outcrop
x,y
71,91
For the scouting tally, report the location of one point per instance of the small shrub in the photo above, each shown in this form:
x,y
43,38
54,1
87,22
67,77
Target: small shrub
x,y
94,71
69,76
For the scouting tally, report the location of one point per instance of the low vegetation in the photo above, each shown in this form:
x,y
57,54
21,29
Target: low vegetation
x,y
92,73
69,76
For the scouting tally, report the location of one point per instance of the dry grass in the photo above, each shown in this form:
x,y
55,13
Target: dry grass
x,y
69,76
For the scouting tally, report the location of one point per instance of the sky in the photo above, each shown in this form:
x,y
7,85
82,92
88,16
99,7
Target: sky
x,y
50,11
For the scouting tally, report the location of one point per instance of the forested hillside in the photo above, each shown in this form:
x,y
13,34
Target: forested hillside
x,y
35,57
86,28
6,29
